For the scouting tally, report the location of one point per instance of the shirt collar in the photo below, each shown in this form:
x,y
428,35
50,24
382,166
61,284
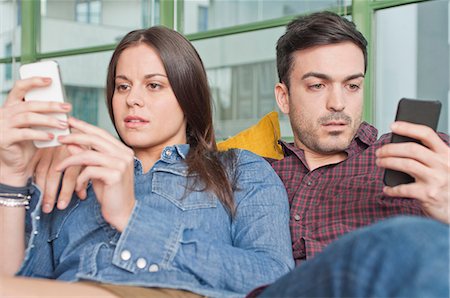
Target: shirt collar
x,y
170,154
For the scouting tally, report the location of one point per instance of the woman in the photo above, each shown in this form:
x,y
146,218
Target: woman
x,y
164,210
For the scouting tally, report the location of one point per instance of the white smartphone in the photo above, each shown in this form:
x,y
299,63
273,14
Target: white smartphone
x,y
53,92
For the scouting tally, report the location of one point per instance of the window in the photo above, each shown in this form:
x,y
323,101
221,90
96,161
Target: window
x,y
8,67
202,18
242,75
228,13
84,82
412,60
88,11
84,102
76,24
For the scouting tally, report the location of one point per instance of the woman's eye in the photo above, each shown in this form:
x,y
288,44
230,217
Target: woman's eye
x,y
122,87
154,86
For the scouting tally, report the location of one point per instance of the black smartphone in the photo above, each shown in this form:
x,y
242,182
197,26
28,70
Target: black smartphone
x,y
425,112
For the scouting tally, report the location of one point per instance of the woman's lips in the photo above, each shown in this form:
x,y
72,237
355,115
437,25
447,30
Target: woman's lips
x,y
135,122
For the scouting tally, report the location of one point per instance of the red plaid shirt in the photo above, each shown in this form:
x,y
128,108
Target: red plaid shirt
x,y
335,199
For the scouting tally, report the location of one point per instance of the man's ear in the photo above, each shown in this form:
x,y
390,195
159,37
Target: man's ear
x,y
282,97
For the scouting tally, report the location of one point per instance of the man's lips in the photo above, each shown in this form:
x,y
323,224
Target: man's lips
x,y
335,123
335,126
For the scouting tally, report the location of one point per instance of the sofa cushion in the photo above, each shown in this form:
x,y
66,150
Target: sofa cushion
x,y
261,138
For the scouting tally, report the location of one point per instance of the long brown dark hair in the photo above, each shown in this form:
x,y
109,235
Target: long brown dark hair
x,y
187,77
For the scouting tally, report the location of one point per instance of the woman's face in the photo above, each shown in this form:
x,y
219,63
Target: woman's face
x,y
146,112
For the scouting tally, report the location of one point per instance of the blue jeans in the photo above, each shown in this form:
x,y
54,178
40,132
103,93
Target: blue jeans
x,y
398,257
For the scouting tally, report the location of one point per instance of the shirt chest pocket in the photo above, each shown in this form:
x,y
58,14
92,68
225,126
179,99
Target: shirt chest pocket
x,y
357,188
179,189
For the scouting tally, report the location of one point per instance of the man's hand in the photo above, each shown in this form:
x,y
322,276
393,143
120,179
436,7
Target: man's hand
x,y
48,178
429,164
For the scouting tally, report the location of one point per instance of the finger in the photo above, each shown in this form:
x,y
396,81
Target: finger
x,y
91,129
43,159
82,193
26,134
39,107
36,119
21,87
423,133
406,165
107,176
52,185
83,140
52,178
409,150
411,190
90,158
68,186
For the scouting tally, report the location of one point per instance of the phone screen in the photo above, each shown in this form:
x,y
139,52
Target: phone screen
x,y
416,111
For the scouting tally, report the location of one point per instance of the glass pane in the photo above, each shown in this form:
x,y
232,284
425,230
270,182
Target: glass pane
x,y
202,15
412,60
10,18
242,75
75,24
8,74
84,79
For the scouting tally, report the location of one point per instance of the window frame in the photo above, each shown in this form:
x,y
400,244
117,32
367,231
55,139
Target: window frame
x,y
171,15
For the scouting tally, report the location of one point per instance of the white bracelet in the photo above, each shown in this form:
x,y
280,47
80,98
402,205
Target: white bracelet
x,y
23,201
14,196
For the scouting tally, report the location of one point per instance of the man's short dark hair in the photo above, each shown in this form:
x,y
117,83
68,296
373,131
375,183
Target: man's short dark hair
x,y
321,28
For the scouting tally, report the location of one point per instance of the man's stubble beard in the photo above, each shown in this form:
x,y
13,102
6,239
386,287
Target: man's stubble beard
x,y
307,132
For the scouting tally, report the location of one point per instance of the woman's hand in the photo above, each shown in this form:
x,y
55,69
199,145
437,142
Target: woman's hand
x,y
109,164
17,119
429,164
49,180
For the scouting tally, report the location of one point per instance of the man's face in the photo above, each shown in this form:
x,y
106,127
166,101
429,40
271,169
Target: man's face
x,y
325,97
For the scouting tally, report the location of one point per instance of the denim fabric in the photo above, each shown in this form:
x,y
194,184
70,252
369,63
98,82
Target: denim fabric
x,y
399,257
174,239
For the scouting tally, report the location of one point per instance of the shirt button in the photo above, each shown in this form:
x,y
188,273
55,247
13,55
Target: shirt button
x,y
141,263
38,217
35,232
309,183
125,255
153,268
168,153
297,217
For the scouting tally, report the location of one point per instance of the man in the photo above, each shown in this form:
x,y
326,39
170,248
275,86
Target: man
x,y
331,171
333,175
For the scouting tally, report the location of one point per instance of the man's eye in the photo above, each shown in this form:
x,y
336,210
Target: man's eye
x,y
353,87
316,86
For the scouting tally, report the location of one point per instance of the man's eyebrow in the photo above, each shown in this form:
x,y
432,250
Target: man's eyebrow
x,y
328,78
316,75
355,76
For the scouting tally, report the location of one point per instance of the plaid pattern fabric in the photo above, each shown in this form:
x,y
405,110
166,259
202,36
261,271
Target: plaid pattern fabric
x,y
336,199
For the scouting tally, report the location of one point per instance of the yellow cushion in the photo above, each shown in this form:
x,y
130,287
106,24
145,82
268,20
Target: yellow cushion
x,y
261,138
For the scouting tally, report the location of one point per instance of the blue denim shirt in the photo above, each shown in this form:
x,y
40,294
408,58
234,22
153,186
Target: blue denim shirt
x,y
174,239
